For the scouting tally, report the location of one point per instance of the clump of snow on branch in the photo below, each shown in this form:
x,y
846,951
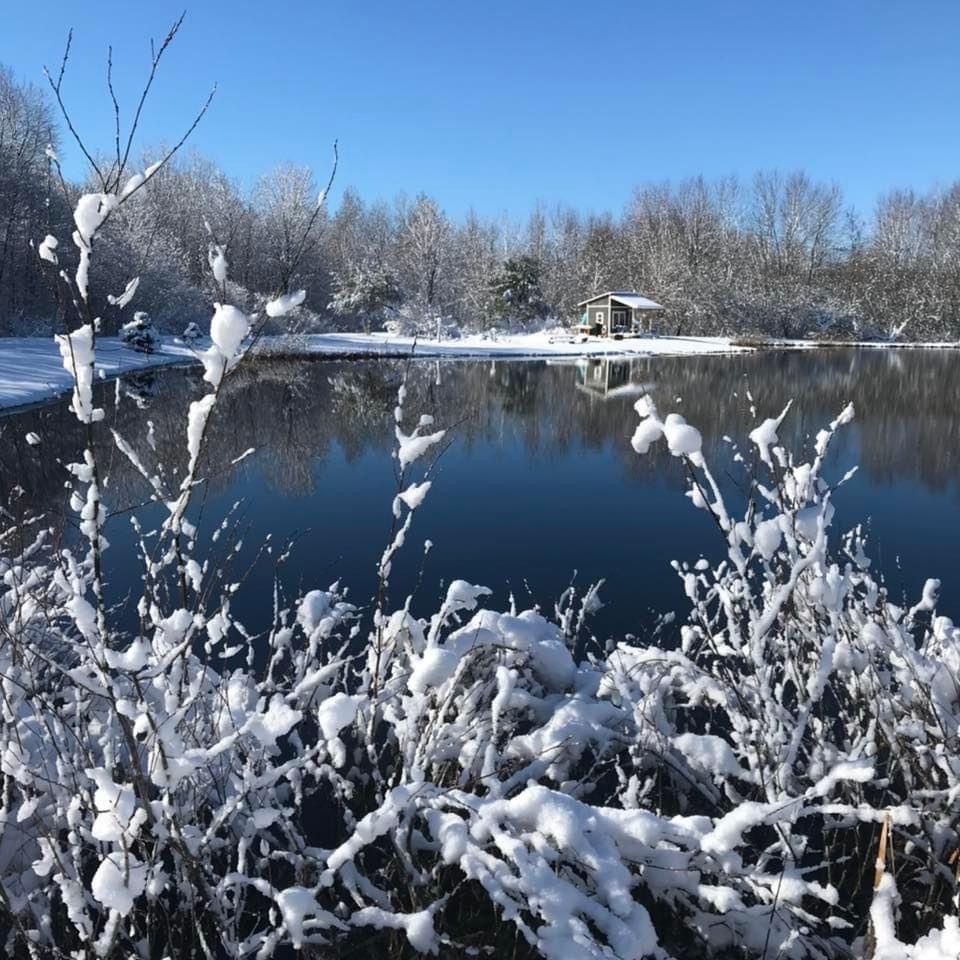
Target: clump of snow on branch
x,y
217,259
128,294
282,305
78,355
229,326
48,249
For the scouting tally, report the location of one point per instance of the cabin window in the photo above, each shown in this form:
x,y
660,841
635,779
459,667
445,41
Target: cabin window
x,y
598,316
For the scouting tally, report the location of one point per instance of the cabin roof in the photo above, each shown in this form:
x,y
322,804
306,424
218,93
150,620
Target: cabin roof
x,y
627,297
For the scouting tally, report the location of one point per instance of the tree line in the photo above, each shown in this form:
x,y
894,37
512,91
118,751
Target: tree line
x,y
780,254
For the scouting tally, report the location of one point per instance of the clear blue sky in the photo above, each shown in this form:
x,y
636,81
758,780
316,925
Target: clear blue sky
x,y
502,104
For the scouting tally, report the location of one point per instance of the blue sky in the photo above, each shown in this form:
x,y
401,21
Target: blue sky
x,y
498,105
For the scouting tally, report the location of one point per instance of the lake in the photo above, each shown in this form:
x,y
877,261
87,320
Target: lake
x,y
539,485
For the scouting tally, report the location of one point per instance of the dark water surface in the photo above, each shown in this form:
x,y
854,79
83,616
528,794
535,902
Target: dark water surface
x,y
539,482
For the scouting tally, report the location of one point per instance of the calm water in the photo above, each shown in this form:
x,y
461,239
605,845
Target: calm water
x,y
540,484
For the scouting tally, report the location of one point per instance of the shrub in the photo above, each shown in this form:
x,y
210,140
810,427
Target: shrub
x,y
191,333
139,333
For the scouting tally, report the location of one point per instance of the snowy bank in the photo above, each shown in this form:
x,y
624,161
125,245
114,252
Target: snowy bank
x,y
31,368
544,343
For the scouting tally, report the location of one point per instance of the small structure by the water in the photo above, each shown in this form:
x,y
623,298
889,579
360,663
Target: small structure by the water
x,y
618,313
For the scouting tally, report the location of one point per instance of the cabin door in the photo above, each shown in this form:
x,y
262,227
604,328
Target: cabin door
x,y
619,319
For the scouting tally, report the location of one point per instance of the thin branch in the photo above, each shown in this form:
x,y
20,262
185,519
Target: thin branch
x,y
63,107
155,57
301,246
116,105
169,154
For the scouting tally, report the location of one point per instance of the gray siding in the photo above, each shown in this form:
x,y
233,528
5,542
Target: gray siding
x,y
599,302
598,313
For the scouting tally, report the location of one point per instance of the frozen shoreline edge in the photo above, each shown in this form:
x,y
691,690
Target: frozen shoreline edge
x,y
31,374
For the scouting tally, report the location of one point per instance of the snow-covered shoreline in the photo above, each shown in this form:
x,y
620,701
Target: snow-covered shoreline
x,y
31,369
542,344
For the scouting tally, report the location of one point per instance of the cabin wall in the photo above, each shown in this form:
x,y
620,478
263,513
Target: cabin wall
x,y
599,313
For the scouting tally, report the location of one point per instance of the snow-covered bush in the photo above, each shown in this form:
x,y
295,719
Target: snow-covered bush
x,y
139,333
191,333
402,326
394,772
411,321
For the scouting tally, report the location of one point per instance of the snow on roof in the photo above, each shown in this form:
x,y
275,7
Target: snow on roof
x,y
636,301
627,297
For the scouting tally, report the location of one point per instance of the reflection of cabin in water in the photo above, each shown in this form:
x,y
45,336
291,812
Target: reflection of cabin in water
x,y
605,378
618,313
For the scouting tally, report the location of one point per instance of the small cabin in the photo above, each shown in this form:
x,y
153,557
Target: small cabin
x,y
618,313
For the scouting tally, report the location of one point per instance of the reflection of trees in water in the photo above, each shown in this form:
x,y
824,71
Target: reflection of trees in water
x,y
292,412
363,399
514,386
268,406
906,402
906,405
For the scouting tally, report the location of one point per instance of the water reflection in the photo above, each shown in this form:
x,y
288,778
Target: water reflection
x,y
530,438
609,379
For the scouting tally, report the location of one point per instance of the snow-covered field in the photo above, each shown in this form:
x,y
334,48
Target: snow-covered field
x,y
544,343
31,368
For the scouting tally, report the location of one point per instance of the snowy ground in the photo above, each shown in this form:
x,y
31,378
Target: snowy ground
x,y
31,369
547,343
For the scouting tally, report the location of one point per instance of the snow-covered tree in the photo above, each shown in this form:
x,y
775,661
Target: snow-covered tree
x,y
290,216
366,294
422,250
516,294
474,258
27,131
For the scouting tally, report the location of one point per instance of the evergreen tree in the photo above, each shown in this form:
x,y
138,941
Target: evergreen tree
x,y
367,292
516,290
